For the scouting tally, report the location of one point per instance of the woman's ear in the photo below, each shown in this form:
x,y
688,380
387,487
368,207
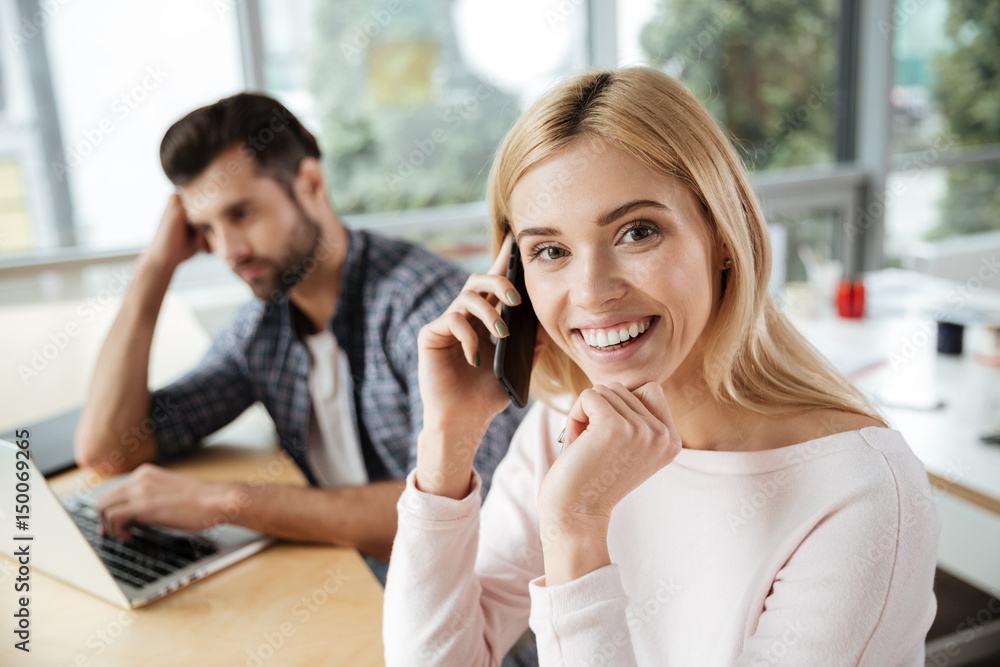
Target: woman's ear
x,y
723,260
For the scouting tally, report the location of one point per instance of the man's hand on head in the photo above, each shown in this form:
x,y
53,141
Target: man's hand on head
x,y
152,495
175,240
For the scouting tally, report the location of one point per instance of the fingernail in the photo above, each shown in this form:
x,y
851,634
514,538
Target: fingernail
x,y
501,329
513,297
475,360
561,434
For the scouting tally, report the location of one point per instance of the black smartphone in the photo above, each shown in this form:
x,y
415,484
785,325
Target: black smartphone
x,y
515,353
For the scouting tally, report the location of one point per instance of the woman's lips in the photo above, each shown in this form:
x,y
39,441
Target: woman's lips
x,y
620,333
615,352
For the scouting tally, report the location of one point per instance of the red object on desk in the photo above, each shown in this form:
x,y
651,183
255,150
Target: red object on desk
x,y
851,298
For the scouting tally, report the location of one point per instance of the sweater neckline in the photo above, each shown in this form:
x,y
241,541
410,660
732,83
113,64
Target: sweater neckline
x,y
770,460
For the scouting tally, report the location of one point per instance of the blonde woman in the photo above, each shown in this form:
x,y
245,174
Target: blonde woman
x,y
697,486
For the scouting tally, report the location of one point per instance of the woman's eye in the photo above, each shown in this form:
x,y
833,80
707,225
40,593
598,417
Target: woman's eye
x,y
550,253
638,233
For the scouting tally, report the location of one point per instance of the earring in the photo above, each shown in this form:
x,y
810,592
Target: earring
x,y
727,264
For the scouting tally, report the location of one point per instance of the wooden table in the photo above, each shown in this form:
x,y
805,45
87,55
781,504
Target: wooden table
x,y
291,604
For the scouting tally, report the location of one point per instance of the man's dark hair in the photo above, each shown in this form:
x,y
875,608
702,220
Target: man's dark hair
x,y
259,125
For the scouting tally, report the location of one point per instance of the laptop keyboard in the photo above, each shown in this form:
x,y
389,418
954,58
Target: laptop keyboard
x,y
149,555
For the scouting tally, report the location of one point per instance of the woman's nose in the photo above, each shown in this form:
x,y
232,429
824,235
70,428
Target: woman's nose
x,y
597,281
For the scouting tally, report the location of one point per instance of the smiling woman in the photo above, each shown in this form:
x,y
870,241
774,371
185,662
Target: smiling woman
x,y
647,127
596,267
675,395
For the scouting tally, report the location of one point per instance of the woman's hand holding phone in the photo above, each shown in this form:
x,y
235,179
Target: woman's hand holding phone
x,y
460,393
615,439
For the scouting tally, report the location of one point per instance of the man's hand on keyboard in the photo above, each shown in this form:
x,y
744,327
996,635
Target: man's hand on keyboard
x,y
159,497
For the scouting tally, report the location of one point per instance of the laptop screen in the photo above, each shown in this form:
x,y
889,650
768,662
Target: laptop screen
x,y
51,442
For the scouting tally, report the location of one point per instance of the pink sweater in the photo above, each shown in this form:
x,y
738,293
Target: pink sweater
x,y
821,553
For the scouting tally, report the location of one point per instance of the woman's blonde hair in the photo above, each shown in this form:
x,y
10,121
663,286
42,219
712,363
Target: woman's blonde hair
x,y
754,357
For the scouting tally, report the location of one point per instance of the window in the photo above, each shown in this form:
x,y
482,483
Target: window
x,y
119,73
945,178
410,99
27,203
767,71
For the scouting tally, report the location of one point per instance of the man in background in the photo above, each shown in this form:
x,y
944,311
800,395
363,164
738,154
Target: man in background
x,y
329,344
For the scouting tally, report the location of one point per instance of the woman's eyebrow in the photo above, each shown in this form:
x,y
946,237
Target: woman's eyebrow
x,y
538,231
602,220
625,209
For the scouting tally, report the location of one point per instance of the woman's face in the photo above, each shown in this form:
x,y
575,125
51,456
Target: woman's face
x,y
618,263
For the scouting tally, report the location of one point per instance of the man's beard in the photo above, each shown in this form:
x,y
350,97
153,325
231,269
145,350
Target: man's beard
x,y
296,262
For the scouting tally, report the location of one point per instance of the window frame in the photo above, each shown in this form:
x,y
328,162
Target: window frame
x,y
853,186
36,142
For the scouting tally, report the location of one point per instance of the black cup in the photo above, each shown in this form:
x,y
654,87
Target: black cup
x,y
949,337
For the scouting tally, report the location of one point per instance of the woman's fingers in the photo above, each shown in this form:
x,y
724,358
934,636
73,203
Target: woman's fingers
x,y
622,400
499,266
492,288
494,282
594,406
646,405
450,327
586,409
652,398
477,300
475,305
616,439
479,296
463,330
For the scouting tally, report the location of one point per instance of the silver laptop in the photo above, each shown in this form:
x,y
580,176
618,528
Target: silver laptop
x,y
62,541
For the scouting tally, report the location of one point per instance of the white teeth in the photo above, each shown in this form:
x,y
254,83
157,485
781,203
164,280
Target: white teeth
x,y
613,337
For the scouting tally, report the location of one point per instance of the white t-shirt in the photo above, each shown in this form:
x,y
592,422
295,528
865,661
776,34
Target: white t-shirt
x,y
333,450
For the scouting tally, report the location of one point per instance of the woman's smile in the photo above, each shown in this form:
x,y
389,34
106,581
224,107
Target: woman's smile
x,y
615,336
607,354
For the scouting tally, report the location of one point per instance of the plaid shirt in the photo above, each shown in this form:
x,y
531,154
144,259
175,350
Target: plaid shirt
x,y
389,290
